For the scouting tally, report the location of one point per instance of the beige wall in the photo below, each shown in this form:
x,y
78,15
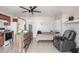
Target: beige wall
x,y
43,23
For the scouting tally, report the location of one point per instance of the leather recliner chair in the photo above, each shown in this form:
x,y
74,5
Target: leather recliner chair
x,y
66,42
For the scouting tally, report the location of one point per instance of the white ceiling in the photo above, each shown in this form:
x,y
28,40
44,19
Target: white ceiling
x,y
46,10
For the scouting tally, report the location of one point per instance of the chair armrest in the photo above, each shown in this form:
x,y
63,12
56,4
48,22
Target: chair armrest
x,y
66,45
64,38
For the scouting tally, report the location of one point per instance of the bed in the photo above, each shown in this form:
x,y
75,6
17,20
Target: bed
x,y
45,36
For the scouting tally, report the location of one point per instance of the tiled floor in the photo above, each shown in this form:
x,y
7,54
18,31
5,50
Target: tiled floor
x,y
41,47
35,47
7,49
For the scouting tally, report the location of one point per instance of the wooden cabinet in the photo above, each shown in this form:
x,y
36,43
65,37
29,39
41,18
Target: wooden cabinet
x,y
1,39
22,42
5,17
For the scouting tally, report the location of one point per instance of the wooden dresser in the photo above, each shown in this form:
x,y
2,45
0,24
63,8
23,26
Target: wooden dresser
x,y
22,42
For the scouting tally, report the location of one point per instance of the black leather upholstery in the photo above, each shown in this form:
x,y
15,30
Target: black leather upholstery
x,y
65,42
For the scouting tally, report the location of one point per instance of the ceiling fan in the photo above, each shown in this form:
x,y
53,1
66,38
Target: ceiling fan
x,y
30,10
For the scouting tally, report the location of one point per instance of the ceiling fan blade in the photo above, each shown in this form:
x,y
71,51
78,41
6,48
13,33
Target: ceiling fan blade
x,y
34,7
37,11
23,8
24,11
